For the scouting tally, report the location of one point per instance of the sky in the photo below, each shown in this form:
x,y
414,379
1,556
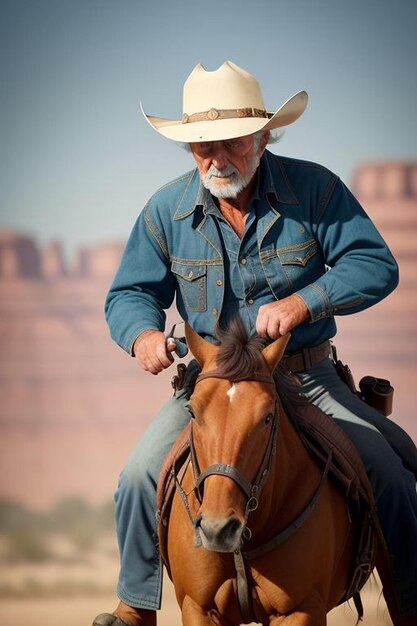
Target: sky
x,y
77,159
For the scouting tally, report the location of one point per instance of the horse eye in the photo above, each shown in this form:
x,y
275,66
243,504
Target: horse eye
x,y
191,412
269,418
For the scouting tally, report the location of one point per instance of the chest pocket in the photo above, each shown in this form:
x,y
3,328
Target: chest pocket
x,y
299,254
298,261
192,282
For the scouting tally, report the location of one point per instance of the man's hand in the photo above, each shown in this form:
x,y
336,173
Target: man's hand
x,y
278,318
153,352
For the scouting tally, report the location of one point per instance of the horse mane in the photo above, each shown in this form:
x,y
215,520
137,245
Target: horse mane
x,y
239,354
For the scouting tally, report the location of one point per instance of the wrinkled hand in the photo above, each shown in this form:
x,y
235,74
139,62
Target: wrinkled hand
x,y
153,352
278,318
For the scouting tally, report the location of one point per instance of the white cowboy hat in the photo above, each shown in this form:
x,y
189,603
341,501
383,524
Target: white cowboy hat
x,y
223,104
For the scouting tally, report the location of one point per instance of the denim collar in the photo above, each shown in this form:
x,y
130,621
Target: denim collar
x,y
275,180
272,182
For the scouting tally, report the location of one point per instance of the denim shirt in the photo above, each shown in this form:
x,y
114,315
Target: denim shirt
x,y
310,237
246,286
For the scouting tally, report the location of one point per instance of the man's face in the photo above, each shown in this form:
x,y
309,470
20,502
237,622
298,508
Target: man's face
x,y
227,167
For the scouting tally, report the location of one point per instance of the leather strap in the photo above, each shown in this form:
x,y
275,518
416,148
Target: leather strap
x,y
222,114
306,358
243,589
222,469
259,376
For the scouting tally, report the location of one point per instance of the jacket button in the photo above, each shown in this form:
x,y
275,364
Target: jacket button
x,y
219,282
214,311
249,301
242,261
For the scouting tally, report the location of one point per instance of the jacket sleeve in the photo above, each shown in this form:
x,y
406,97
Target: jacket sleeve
x,y
143,286
361,270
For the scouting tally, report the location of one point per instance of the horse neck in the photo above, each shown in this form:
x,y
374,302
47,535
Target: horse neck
x,y
292,471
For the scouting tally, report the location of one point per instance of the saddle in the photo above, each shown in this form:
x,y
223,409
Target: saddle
x,y
324,440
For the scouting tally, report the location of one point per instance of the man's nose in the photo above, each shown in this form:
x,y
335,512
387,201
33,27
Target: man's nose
x,y
218,157
219,161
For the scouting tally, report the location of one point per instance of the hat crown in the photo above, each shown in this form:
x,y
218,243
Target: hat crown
x,y
228,87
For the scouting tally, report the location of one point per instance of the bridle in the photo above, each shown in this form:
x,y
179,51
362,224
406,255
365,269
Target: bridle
x,y
252,489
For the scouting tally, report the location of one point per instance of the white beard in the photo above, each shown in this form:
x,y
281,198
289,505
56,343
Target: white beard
x,y
237,183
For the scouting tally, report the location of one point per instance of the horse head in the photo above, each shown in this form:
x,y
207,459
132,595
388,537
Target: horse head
x,y
234,428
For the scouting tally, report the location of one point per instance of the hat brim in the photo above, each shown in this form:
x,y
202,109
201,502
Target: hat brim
x,y
221,129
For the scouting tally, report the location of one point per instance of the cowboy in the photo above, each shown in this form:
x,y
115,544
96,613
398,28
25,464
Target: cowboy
x,y
283,244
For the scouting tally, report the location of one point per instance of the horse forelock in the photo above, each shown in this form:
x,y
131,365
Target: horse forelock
x,y
239,355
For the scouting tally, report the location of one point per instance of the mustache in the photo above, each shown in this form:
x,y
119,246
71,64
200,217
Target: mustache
x,y
224,173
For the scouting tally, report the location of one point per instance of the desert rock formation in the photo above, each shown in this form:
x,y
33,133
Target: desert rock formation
x,y
73,404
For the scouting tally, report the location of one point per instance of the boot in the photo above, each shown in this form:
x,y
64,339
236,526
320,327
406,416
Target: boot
x,y
126,615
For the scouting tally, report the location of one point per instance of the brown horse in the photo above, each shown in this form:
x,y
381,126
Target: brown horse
x,y
251,483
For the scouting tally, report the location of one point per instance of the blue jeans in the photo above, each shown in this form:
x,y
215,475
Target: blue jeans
x,y
140,581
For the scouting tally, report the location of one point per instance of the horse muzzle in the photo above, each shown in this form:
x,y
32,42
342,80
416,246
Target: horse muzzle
x,y
219,535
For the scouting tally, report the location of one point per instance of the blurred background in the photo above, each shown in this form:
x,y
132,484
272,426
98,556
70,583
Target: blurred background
x,y
78,162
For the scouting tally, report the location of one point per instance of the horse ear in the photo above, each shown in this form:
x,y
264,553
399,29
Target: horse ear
x,y
202,350
275,351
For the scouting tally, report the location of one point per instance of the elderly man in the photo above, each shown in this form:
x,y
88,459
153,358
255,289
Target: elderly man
x,y
283,244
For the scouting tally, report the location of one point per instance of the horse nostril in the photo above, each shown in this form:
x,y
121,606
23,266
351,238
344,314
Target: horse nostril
x,y
231,529
223,535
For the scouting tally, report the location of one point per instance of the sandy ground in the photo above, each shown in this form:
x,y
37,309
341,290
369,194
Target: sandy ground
x,y
81,611
56,592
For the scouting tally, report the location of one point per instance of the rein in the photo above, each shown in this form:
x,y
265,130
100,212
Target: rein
x,y
252,492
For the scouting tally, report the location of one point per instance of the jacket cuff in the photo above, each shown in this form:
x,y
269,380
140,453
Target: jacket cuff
x,y
135,335
316,301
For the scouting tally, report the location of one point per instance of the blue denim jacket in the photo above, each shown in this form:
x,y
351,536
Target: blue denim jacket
x,y
313,239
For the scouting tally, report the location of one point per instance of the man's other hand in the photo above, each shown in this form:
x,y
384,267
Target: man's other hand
x,y
153,352
278,318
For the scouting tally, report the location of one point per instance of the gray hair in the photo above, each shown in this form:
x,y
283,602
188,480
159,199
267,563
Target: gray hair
x,y
273,136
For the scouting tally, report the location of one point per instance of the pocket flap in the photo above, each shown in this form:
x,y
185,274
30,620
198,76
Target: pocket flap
x,y
188,272
298,255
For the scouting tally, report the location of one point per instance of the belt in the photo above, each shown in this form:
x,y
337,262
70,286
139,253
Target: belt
x,y
306,357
